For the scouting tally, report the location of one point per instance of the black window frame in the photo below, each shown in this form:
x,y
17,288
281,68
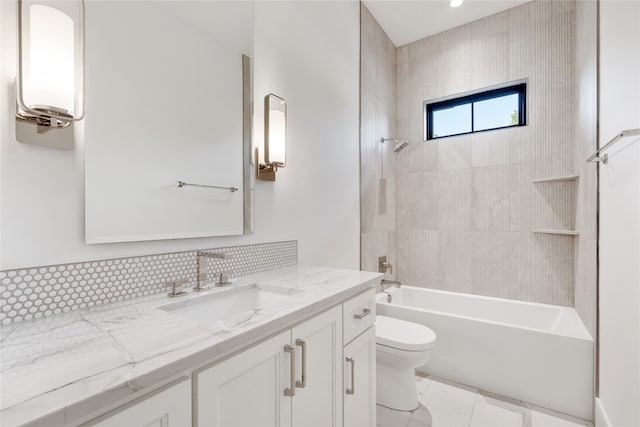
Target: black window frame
x,y
520,89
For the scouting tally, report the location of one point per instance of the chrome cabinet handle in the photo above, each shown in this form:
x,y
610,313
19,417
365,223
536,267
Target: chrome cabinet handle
x,y
352,390
303,383
365,313
290,392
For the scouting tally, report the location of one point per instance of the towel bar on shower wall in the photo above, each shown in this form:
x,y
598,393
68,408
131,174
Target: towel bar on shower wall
x,y
596,157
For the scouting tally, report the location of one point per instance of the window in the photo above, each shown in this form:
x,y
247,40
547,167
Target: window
x,y
488,110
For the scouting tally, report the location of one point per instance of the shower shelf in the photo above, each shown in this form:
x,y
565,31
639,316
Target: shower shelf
x,y
559,232
558,178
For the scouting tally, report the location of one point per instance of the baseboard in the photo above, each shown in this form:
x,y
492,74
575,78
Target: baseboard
x,y
602,419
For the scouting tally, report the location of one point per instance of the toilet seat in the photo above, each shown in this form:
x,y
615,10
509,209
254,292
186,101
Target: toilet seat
x,y
403,335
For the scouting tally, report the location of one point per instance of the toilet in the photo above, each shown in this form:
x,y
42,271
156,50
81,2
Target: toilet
x,y
401,347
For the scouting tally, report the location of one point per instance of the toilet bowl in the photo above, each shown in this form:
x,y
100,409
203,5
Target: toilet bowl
x,y
401,347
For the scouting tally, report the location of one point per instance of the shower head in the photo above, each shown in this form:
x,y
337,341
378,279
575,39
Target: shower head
x,y
400,145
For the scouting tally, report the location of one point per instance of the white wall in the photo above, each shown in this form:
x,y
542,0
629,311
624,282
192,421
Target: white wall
x,y
619,288
307,52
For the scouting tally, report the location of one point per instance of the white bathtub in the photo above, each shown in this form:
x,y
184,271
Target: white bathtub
x,y
537,353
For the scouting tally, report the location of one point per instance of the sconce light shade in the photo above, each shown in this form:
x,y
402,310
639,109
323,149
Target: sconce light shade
x,y
50,80
275,148
275,137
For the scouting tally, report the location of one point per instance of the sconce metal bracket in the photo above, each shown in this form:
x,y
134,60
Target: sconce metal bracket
x,y
45,121
264,171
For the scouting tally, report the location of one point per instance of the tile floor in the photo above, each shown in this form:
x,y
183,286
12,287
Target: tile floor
x,y
446,404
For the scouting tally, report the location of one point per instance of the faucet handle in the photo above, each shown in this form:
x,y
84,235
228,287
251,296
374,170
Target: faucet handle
x,y
384,265
177,288
223,278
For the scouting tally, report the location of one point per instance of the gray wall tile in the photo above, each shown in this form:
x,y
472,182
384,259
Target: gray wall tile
x,y
487,205
378,179
454,200
586,114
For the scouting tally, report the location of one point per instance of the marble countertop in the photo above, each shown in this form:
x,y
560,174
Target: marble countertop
x,y
59,370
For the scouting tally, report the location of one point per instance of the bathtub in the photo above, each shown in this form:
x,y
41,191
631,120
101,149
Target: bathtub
x,y
537,353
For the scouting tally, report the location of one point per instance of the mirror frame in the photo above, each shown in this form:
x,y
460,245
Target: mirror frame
x,y
247,172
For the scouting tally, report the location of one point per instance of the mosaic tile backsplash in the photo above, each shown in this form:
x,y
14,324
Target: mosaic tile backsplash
x,y
36,292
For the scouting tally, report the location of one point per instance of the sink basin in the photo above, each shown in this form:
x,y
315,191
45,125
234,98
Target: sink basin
x,y
234,305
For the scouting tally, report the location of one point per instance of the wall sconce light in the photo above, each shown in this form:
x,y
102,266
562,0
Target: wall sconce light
x,y
275,137
50,78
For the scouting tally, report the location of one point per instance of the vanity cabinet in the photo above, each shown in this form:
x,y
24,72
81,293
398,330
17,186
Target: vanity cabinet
x,y
167,407
318,373
359,362
360,381
319,402
291,379
246,389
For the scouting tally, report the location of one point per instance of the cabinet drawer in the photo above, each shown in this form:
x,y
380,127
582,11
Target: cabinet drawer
x,y
167,407
358,314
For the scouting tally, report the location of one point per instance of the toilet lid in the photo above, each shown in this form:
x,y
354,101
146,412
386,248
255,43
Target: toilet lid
x,y
403,335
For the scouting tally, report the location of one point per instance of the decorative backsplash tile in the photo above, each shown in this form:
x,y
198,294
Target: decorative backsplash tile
x,y
36,292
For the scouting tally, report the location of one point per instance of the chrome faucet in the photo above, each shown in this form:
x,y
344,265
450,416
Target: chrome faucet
x,y
176,288
222,278
383,266
202,270
390,283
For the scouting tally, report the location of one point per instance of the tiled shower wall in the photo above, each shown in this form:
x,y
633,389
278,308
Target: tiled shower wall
x,y
466,205
377,120
36,292
586,120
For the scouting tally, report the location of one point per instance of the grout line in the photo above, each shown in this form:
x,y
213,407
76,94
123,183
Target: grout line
x,y
426,389
473,409
526,406
409,420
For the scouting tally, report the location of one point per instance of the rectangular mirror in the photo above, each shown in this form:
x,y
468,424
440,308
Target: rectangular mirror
x,y
165,87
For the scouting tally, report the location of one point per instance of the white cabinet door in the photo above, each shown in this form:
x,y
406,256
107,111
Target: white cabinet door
x,y
247,389
360,381
318,344
169,407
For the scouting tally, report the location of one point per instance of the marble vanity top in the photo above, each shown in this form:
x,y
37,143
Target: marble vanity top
x,y
61,369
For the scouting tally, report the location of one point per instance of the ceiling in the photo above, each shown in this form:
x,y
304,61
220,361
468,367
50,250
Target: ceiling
x,y
407,21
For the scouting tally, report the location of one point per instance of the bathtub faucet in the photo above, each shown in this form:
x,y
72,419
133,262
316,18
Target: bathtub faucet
x,y
389,282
